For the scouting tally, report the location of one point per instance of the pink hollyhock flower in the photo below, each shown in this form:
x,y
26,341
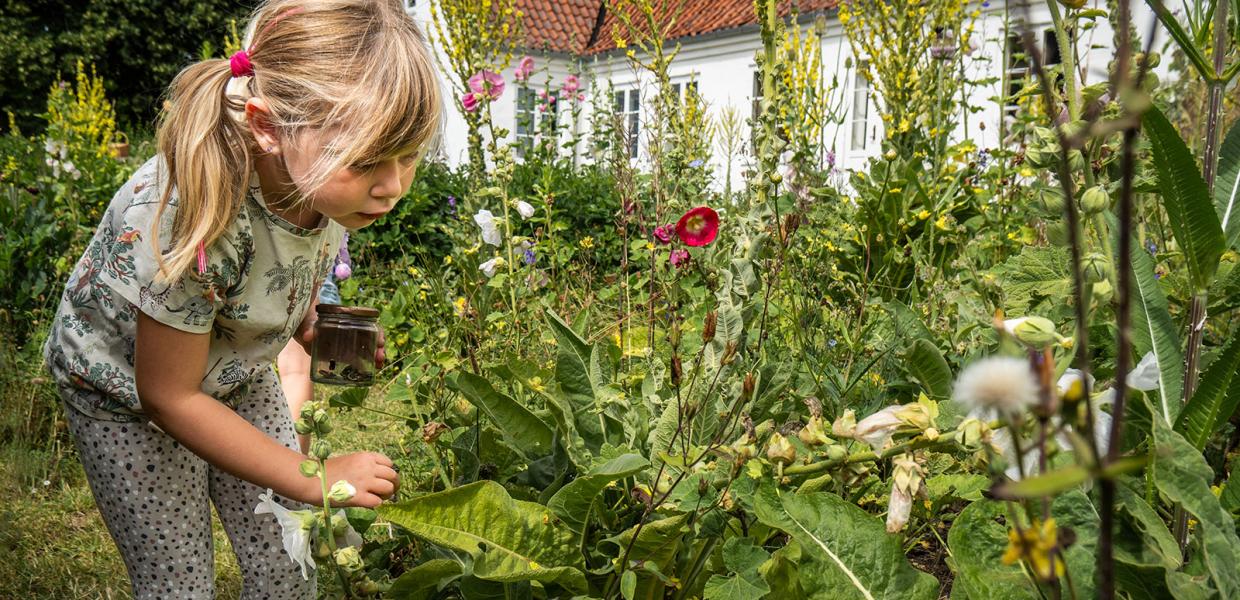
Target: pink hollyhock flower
x,y
571,84
487,84
663,233
679,257
699,226
525,68
343,271
469,101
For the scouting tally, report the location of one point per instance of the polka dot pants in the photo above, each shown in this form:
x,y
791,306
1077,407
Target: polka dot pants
x,y
155,498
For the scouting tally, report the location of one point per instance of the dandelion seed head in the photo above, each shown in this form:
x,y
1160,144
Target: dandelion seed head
x,y
1000,383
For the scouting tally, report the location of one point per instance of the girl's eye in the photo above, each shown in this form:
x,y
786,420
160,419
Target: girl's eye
x,y
408,159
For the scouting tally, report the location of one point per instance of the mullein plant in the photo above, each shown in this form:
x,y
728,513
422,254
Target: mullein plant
x,y
317,536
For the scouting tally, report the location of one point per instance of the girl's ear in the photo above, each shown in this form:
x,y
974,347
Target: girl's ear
x,y
258,117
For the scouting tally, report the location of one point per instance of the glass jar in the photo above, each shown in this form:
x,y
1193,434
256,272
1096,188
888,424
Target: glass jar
x,y
345,341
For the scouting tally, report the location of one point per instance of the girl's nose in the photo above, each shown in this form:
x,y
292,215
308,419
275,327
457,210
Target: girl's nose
x,y
386,181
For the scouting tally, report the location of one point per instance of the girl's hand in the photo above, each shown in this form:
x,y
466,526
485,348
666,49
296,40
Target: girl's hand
x,y
372,474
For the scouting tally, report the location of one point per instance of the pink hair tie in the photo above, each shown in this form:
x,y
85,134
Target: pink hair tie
x,y
240,64
202,257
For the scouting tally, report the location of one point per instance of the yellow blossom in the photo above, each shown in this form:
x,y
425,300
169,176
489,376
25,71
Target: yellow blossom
x,y
1035,545
587,242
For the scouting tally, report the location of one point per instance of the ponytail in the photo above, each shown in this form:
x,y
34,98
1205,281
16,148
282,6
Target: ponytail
x,y
207,153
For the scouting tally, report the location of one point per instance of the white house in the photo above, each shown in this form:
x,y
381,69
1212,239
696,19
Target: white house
x,y
718,40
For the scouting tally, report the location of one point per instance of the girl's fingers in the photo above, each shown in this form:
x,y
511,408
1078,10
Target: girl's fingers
x,y
388,473
383,460
384,488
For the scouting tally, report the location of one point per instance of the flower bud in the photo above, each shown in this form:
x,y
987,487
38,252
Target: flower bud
x,y
340,524
349,559
780,450
322,550
321,449
1095,200
674,333
676,370
1096,268
342,491
708,327
665,484
1037,332
309,468
970,433
302,427
748,386
742,449
320,416
836,452
1051,200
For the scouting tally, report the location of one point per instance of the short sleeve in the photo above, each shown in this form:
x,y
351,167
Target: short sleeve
x,y
189,303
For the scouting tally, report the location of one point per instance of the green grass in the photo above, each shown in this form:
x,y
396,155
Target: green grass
x,y
52,537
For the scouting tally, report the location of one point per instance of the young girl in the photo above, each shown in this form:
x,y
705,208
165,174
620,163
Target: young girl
x,y
206,263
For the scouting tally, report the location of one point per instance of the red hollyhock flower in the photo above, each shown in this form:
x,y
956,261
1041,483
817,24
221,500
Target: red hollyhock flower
x,y
698,227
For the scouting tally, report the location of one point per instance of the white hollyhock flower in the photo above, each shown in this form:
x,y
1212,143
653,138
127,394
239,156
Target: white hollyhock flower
x,y
490,232
1144,376
296,527
876,429
489,267
525,208
342,491
1006,385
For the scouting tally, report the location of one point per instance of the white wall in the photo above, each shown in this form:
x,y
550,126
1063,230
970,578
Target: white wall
x,y
723,67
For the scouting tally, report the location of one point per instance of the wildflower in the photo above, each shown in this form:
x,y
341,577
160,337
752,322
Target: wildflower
x,y
571,84
698,227
343,271
695,163
1151,247
877,429
813,433
663,233
525,68
846,424
490,232
586,242
1144,377
679,257
349,559
525,209
1004,384
341,491
831,342
529,257
295,526
490,266
1036,544
486,84
452,205
469,101
906,478
460,307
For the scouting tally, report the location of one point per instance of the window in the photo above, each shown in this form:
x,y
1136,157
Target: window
x,y
683,89
860,108
1019,66
529,119
628,107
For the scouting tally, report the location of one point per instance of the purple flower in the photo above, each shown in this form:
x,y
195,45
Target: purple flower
x,y
679,257
343,271
695,163
530,258
1151,247
452,205
663,233
830,159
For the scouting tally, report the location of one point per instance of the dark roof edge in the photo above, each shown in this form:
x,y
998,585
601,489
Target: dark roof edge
x,y
713,34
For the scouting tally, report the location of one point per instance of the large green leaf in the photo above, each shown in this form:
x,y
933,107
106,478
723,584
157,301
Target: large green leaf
x,y
420,582
1227,186
510,540
1186,199
1182,475
741,560
1038,274
573,502
847,552
1216,397
1154,331
925,362
657,543
1145,550
573,365
528,433
977,542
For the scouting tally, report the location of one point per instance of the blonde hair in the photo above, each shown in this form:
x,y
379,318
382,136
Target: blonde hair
x,y
361,67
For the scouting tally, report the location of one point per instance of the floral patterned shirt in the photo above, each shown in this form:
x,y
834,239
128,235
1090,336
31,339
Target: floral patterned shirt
x,y
260,281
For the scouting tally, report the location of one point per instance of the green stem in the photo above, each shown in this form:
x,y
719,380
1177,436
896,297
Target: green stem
x,y
329,535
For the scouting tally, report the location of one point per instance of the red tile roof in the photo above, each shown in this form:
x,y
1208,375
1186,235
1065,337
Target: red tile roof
x,y
585,26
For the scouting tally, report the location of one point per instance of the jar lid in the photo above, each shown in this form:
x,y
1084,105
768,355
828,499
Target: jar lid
x,y
356,311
